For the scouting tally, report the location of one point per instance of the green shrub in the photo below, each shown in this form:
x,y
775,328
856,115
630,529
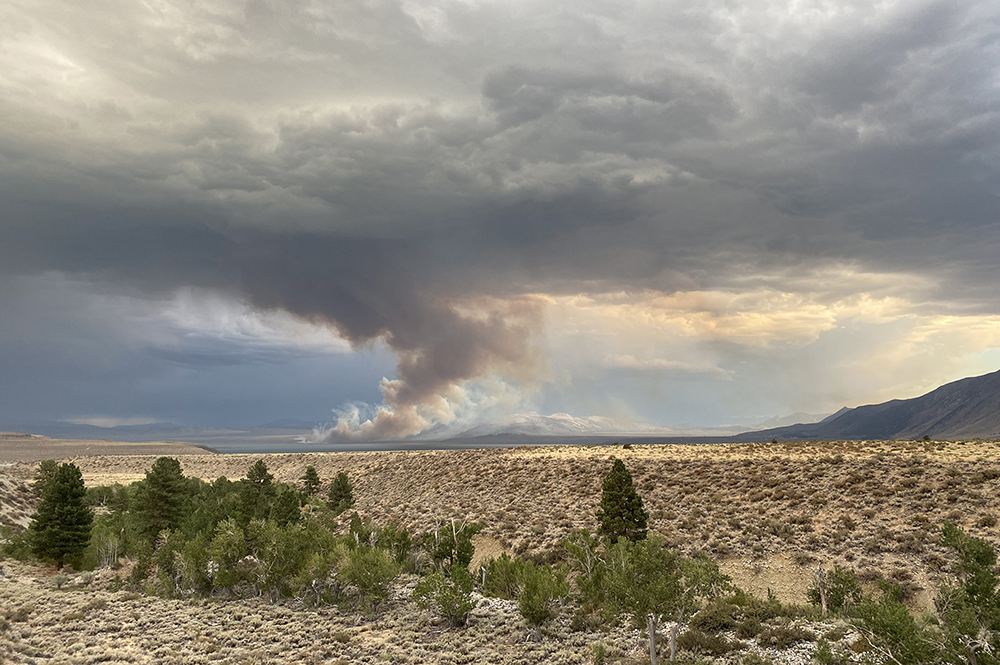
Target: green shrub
x,y
141,570
782,637
826,655
970,608
13,544
759,610
450,596
227,549
451,547
193,565
396,541
755,659
317,582
843,590
716,616
543,589
583,556
748,628
503,577
888,626
369,572
702,643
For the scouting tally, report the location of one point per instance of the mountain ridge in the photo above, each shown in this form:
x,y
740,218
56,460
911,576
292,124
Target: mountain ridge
x,y
968,408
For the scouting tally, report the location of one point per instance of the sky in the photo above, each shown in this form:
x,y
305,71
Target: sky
x,y
396,217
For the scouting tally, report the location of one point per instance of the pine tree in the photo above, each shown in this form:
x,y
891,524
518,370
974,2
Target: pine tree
x,y
43,474
61,528
621,513
310,482
159,502
341,494
285,509
257,492
259,475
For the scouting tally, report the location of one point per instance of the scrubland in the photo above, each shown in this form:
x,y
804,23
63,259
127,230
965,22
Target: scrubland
x,y
770,514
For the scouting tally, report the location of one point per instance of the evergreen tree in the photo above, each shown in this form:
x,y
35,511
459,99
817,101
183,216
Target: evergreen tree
x,y
621,513
341,494
259,475
43,474
310,482
257,491
159,501
61,528
285,509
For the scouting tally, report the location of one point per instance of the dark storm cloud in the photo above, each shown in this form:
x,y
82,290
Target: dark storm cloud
x,y
408,172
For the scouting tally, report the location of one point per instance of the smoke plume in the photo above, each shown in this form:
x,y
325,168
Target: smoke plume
x,y
368,290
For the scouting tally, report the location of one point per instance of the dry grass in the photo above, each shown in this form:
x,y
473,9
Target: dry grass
x,y
871,505
78,625
83,625
17,503
770,512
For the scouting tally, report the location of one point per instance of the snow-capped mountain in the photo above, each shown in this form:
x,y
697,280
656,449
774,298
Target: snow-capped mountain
x,y
563,424
560,424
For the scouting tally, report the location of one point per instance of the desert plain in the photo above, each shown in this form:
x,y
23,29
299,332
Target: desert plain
x,y
769,513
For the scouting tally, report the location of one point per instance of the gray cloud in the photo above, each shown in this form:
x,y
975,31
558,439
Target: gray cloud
x,y
383,167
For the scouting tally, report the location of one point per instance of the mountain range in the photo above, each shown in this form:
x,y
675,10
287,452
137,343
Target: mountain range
x,y
563,424
964,409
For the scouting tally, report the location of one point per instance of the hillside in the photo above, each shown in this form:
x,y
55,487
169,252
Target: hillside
x,y
768,513
876,506
964,409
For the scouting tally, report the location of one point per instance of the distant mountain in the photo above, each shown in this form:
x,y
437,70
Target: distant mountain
x,y
562,424
799,418
161,431
965,409
558,424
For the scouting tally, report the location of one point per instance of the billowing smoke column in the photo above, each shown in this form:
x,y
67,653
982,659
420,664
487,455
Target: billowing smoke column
x,y
372,290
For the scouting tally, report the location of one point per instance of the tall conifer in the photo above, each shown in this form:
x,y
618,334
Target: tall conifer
x,y
257,492
341,494
310,482
621,513
159,501
61,528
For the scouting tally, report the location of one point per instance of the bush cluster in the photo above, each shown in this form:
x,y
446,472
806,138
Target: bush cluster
x,y
260,537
